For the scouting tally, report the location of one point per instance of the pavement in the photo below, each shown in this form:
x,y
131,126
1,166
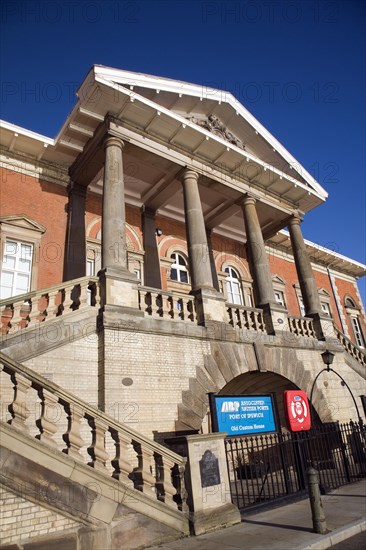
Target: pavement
x,y
288,527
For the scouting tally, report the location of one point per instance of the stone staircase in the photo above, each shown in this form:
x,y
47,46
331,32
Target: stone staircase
x,y
51,438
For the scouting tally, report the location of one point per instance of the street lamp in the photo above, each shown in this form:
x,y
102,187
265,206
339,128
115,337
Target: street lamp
x,y
328,357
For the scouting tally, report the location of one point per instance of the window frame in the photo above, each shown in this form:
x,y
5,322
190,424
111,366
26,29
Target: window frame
x,y
179,267
229,281
22,229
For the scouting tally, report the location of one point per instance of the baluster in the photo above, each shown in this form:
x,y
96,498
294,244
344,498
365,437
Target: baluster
x,y
165,488
84,293
34,311
17,318
142,475
191,315
97,297
235,317
47,423
179,484
262,322
52,309
185,314
75,297
18,408
122,466
72,437
6,316
170,307
68,299
97,450
159,305
253,316
246,317
145,301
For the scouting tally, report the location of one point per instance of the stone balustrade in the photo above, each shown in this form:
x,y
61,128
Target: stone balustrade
x,y
247,318
167,305
26,310
357,353
301,326
111,447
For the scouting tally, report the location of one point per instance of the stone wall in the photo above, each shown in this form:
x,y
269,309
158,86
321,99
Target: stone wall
x,y
22,520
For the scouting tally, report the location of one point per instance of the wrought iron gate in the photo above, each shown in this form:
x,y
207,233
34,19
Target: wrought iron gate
x,y
268,467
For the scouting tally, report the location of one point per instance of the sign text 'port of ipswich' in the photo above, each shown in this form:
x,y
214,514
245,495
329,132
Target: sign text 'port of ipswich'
x,y
243,414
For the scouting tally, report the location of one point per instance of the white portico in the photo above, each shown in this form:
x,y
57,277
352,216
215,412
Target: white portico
x,y
192,154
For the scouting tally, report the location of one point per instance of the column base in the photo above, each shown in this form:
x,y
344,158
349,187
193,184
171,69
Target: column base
x,y
205,521
206,481
323,326
210,305
275,318
118,287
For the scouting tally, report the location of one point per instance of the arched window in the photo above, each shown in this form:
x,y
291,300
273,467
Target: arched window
x,y
233,287
354,317
179,270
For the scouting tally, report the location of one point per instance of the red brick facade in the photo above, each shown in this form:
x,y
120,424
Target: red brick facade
x,y
47,203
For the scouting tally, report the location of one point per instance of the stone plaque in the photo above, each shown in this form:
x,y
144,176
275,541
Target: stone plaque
x,y
209,470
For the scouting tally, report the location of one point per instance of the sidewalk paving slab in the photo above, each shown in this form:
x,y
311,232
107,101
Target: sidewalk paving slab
x,y
288,527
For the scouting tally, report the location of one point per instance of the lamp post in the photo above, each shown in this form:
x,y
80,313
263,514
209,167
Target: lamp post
x,y
328,357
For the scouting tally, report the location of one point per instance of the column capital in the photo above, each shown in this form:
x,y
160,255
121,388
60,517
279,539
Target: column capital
x,y
190,173
113,140
247,199
295,220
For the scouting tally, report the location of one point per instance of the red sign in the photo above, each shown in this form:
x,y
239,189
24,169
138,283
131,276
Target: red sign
x,y
297,410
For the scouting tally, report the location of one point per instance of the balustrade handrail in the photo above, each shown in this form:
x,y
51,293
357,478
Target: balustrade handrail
x,y
24,310
90,410
300,318
244,308
41,292
165,292
349,346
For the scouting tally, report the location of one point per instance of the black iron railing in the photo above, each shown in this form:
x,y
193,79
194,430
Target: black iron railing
x,y
268,467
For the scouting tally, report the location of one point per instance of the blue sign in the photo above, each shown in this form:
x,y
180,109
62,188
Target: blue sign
x,y
243,415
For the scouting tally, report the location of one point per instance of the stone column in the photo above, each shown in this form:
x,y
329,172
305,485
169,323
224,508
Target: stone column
x,y
199,258
275,316
151,259
309,291
114,252
258,260
118,285
210,304
75,253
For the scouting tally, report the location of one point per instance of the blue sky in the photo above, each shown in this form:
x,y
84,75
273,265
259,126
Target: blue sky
x,y
298,66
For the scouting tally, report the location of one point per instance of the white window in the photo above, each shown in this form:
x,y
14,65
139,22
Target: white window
x,y
233,288
248,300
301,306
16,268
325,308
357,331
179,270
90,268
279,297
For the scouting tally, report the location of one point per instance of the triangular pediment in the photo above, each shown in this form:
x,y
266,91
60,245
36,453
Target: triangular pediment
x,y
323,292
277,279
22,221
216,111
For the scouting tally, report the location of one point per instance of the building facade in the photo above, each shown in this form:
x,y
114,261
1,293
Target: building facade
x,y
152,253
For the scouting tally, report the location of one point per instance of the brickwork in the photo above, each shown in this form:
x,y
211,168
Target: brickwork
x,y
46,204
145,375
21,519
